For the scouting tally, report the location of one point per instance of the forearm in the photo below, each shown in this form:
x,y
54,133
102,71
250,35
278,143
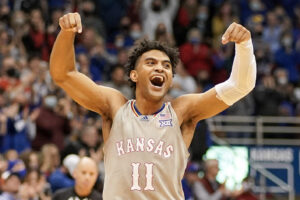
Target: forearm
x,y
243,75
62,59
173,7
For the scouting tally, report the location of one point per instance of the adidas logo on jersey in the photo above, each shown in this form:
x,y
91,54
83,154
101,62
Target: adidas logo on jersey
x,y
145,118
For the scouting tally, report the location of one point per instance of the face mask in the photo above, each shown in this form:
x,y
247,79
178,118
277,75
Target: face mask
x,y
202,16
255,6
156,8
282,80
287,42
119,43
19,21
135,34
50,101
195,41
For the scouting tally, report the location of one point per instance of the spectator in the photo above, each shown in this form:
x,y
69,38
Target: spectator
x,y
15,164
201,19
187,13
88,142
287,57
37,40
85,175
135,31
35,187
31,160
50,159
272,32
133,11
189,179
3,165
119,82
194,54
183,83
111,13
154,12
221,20
246,192
62,176
51,127
267,98
89,18
208,187
184,20
162,35
10,188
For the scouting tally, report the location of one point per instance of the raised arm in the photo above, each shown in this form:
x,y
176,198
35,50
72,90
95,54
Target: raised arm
x,y
195,107
82,89
173,7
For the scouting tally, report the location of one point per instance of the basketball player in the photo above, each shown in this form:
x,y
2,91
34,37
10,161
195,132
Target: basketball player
x,y
146,139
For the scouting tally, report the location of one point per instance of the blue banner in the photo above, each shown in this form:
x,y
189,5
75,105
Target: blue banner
x,y
282,162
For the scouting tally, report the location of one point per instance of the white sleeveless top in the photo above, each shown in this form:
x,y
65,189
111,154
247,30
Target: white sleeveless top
x,y
145,156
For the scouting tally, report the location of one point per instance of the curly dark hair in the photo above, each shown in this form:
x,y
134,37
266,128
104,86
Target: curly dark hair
x,y
147,45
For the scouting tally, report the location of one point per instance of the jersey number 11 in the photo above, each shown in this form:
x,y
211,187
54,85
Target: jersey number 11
x,y
135,176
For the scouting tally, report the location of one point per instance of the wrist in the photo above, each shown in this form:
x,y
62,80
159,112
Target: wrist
x,y
67,33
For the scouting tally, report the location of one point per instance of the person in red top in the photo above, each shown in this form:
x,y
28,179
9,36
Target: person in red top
x,y
194,54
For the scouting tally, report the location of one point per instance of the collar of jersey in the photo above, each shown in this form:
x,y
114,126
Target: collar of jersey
x,y
138,113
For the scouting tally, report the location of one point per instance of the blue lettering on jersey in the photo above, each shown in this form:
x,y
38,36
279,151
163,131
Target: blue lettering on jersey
x,y
164,123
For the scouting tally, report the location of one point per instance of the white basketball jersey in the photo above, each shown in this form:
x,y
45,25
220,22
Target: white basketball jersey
x,y
145,156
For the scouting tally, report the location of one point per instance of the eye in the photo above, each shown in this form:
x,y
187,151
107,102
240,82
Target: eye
x,y
150,62
167,65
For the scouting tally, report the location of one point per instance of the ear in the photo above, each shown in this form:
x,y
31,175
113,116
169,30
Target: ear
x,y
133,75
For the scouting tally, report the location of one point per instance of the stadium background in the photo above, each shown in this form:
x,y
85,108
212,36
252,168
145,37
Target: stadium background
x,y
40,125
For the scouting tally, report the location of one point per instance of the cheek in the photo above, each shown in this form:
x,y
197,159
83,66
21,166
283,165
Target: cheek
x,y
170,78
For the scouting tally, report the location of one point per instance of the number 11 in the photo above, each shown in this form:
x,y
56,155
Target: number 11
x,y
135,176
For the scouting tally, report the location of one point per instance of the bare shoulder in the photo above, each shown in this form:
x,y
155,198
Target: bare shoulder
x,y
115,100
192,108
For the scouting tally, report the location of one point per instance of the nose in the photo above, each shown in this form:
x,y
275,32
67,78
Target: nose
x,y
158,68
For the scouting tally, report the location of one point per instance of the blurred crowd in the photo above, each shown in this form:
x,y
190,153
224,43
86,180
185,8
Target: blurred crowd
x,y
40,125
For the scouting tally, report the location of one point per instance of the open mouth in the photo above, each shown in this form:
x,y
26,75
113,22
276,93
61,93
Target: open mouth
x,y
157,81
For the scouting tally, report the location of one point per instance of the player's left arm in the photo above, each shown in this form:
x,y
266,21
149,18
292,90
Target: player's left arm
x,y
195,107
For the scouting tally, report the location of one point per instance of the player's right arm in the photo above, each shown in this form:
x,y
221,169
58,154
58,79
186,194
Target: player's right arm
x,y
103,100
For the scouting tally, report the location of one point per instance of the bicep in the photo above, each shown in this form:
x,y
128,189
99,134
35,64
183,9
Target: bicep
x,y
88,94
195,107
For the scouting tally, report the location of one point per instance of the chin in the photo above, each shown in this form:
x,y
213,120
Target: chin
x,y
157,95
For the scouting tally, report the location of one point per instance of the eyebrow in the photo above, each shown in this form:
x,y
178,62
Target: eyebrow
x,y
151,58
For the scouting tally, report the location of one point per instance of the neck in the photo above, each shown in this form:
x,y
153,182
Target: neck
x,y
82,192
147,107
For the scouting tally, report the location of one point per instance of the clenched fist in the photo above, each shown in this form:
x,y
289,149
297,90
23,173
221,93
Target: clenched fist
x,y
236,33
71,22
